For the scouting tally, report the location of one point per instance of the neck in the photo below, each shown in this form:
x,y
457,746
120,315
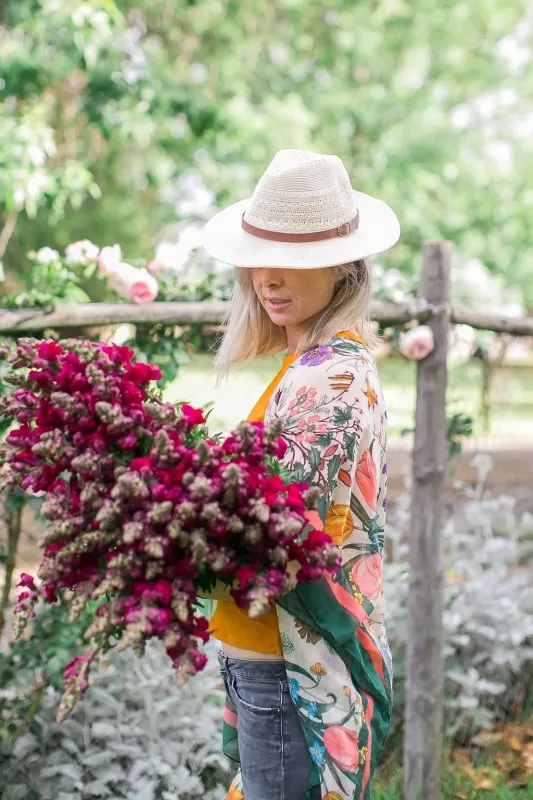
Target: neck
x,y
294,334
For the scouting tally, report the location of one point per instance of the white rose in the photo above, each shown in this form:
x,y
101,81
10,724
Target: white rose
x,y
46,255
82,252
109,258
417,343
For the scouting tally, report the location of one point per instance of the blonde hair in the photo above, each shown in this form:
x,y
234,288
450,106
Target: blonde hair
x,y
249,331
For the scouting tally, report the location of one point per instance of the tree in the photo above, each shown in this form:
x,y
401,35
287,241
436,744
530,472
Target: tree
x,y
425,102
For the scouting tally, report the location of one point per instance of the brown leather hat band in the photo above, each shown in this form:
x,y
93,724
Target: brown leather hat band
x,y
276,236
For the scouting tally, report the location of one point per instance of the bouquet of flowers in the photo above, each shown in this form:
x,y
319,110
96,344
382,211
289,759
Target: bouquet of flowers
x,y
144,508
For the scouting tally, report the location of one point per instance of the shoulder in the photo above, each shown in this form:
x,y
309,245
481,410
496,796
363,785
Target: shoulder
x,y
341,371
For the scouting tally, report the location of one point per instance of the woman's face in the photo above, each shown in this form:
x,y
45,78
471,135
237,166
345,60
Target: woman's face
x,y
292,296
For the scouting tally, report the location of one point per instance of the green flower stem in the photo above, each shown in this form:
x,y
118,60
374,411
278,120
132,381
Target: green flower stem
x,y
13,523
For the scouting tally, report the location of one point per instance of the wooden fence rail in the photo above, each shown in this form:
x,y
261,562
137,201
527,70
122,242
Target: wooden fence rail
x,y
85,315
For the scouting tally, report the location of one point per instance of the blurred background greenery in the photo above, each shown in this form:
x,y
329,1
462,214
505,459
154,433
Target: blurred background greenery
x,y
127,121
118,118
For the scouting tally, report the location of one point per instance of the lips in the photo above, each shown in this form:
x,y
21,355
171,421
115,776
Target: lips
x,y
276,305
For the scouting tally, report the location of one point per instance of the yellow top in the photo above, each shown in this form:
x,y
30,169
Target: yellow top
x,y
231,624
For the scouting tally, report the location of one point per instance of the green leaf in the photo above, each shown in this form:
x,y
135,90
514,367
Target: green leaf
x,y
323,505
314,458
342,415
333,470
350,446
286,644
296,473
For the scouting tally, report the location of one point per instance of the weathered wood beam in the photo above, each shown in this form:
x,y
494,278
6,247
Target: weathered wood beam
x,y
424,657
86,315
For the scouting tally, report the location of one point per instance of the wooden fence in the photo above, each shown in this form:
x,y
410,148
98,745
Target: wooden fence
x,y
31,321
424,687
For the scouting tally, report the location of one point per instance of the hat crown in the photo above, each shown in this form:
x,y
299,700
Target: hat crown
x,y
302,192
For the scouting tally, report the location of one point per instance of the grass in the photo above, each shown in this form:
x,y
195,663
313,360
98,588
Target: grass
x,y
486,781
455,786
512,391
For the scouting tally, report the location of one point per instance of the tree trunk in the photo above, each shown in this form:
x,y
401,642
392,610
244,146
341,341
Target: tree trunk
x,y
424,666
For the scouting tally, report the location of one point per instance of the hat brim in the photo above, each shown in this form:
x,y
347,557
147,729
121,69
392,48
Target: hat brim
x,y
226,241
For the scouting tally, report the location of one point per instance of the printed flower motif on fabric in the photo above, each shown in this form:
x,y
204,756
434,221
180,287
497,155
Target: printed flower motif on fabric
x,y
317,356
334,423
331,725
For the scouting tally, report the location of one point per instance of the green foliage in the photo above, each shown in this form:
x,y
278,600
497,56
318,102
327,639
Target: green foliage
x,y
46,284
426,104
28,667
458,426
53,644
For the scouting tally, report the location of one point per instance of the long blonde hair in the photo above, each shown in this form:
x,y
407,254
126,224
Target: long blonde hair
x,y
249,331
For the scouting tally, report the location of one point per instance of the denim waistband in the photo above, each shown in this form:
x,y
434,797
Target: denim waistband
x,y
255,670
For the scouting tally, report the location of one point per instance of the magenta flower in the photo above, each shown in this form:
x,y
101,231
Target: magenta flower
x,y
142,374
73,669
193,416
27,581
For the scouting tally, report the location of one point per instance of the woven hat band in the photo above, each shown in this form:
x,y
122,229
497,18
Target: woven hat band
x,y
277,236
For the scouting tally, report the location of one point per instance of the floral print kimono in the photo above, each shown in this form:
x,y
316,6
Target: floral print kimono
x,y
332,632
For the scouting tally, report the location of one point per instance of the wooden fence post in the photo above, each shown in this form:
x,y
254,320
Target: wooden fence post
x,y
424,667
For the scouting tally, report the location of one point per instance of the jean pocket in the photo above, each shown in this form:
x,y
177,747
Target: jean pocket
x,y
260,697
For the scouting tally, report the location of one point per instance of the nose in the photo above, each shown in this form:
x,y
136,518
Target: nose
x,y
270,277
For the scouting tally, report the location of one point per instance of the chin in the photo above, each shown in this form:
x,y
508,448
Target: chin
x,y
281,320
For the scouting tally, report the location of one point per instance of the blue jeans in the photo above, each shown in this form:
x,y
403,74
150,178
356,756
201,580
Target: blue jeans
x,y
272,748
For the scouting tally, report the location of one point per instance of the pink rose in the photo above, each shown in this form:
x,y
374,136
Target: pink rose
x,y
155,266
417,343
135,284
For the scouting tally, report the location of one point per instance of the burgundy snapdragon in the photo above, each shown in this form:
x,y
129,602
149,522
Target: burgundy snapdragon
x,y
143,507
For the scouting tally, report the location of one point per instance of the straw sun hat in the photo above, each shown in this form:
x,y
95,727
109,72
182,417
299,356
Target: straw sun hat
x,y
303,214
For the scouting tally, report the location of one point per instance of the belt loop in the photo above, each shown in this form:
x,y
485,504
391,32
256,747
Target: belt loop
x,y
222,659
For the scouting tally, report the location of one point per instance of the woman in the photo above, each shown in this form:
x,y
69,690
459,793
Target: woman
x,y
309,684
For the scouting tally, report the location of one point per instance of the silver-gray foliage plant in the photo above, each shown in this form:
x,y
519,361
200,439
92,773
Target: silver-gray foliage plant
x,y
135,736
488,602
